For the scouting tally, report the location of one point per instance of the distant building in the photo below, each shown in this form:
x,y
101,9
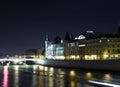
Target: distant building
x,y
30,53
87,46
34,53
40,52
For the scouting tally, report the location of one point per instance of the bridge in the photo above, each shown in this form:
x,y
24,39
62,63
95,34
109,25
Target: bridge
x,y
4,61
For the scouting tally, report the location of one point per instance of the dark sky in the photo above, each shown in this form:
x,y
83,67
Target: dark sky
x,y
24,24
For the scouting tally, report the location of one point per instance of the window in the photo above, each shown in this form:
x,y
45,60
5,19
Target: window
x,y
108,51
113,50
117,45
118,50
113,45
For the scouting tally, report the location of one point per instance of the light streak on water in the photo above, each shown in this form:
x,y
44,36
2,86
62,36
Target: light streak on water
x,y
5,76
103,83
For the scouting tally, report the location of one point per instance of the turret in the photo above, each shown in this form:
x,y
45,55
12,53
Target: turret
x,y
47,41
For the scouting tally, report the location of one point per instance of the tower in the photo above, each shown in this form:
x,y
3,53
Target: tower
x,y
47,41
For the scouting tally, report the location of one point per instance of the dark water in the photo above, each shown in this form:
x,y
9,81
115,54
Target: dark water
x,y
39,76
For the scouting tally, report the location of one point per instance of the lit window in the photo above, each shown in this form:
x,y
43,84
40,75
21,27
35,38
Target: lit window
x,y
81,37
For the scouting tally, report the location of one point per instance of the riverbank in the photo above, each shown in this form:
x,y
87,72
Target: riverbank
x,y
110,65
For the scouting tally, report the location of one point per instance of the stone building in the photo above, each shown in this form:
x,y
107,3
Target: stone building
x,y
87,46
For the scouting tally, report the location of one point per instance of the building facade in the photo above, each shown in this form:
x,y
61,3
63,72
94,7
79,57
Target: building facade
x,y
85,47
102,48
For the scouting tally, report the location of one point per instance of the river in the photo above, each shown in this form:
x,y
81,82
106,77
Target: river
x,y
42,76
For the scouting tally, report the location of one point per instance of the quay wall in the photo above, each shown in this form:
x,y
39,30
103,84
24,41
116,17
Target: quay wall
x,y
112,65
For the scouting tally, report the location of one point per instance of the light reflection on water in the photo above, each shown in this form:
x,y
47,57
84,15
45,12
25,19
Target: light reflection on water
x,y
16,76
107,78
5,76
41,76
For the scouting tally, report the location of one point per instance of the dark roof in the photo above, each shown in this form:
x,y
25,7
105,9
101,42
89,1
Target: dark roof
x,y
93,36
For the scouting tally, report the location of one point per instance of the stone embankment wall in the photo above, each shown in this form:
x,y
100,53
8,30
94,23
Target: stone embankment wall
x,y
113,65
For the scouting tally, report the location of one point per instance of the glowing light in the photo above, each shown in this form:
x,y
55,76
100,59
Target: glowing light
x,y
76,38
82,45
61,41
89,75
41,68
72,83
108,40
61,73
90,57
107,78
5,76
26,66
77,57
16,67
92,32
51,71
46,68
87,57
41,61
35,67
72,56
59,57
81,37
16,76
105,56
103,83
94,57
49,56
16,61
72,73
5,59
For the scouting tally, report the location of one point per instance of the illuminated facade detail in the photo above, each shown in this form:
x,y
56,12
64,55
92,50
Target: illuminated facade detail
x,y
99,47
81,37
62,50
103,50
82,45
53,51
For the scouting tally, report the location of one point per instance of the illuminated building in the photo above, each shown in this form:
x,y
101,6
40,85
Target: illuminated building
x,y
102,48
87,46
53,51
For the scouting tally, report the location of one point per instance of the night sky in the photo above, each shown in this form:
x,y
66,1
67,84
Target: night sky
x,y
24,24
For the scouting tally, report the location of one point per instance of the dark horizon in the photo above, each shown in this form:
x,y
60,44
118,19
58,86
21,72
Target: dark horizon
x,y
24,25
